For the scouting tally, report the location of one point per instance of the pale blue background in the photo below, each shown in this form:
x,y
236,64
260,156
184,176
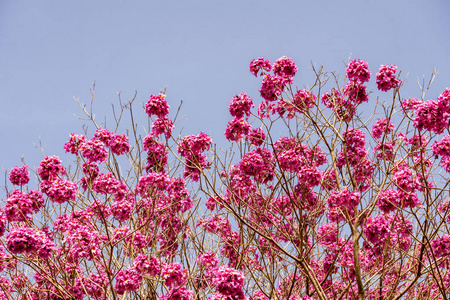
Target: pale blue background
x,y
52,51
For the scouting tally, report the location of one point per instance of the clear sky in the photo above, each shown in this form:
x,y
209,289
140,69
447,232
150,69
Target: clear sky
x,y
52,51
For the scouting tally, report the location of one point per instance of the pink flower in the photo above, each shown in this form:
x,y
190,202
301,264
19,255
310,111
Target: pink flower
x,y
386,78
173,275
303,100
19,176
106,184
147,266
74,143
156,153
356,92
178,293
162,125
127,281
50,167
59,190
157,105
103,135
121,210
240,105
26,240
237,129
18,206
119,144
327,235
382,127
229,282
256,136
94,150
411,104
271,87
358,70
208,260
431,115
259,64
285,68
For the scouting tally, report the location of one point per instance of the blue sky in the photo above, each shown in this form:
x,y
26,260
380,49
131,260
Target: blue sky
x,y
52,51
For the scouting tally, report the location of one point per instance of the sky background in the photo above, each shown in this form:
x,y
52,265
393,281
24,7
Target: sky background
x,y
52,51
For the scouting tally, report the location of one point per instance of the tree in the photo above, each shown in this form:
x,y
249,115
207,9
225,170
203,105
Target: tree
x,y
339,206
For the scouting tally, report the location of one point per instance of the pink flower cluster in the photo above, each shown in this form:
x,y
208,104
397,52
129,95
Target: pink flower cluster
x,y
191,148
441,246
74,143
284,70
228,283
354,151
302,101
19,205
380,229
240,106
256,136
127,281
386,78
26,240
50,167
258,164
147,266
156,154
19,176
157,105
259,65
382,127
59,190
237,129
341,201
173,275
358,70
94,150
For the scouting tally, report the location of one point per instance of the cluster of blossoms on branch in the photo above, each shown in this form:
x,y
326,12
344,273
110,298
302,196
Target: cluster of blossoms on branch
x,y
327,208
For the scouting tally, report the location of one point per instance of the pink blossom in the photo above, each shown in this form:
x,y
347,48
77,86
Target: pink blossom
x,y
103,135
386,78
259,65
121,210
73,145
237,129
18,206
285,68
240,105
358,70
431,115
94,150
303,100
127,281
356,93
442,147
382,127
271,87
157,105
411,104
50,167
19,176
106,184
173,275
147,266
178,293
59,190
208,260
229,282
119,144
162,125
256,136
